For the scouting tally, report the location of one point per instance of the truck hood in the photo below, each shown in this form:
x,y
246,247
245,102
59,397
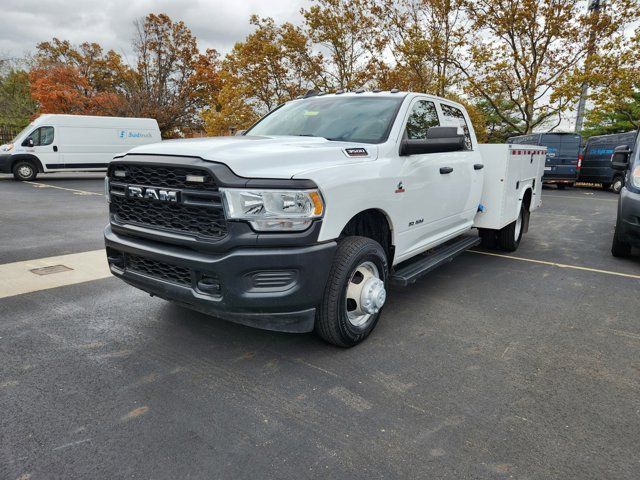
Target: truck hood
x,y
265,157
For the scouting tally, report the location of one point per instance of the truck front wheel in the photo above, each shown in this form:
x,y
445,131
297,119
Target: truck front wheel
x,y
509,237
355,292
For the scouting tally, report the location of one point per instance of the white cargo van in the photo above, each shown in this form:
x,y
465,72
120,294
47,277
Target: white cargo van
x,y
61,143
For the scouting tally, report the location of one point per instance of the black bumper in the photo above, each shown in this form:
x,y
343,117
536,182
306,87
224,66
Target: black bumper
x,y
273,288
5,163
629,217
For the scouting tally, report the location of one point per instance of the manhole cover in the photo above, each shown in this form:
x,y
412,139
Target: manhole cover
x,y
50,270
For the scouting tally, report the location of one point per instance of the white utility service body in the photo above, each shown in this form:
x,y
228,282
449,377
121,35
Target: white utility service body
x,y
301,223
63,143
509,170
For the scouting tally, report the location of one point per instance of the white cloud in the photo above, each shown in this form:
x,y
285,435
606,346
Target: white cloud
x,y
216,23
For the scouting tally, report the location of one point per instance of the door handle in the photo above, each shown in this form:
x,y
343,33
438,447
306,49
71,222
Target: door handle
x,y
446,170
478,166
55,149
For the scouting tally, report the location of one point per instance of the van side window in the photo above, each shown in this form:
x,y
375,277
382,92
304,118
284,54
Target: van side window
x,y
455,117
423,116
41,136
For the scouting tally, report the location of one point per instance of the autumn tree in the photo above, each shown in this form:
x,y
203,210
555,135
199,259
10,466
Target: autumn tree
x,y
526,54
272,65
78,80
423,37
16,104
172,81
615,78
347,33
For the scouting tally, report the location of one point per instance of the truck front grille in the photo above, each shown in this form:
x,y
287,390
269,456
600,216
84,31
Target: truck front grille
x,y
196,220
164,177
199,211
158,270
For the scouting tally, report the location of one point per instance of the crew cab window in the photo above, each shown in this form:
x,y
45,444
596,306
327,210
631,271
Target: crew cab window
x,y
423,116
453,116
41,136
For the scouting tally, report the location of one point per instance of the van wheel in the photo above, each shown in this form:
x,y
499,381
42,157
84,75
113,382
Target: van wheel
x,y
355,292
24,171
618,247
606,186
509,237
618,183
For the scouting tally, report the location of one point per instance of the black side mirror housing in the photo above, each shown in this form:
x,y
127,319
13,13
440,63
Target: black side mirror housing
x,y
240,133
620,158
28,142
439,139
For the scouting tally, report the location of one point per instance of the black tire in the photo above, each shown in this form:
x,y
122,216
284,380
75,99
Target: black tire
x,y
618,183
332,319
25,171
509,237
619,248
561,186
606,186
487,238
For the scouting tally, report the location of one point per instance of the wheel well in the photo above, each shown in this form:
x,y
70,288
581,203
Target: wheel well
x,y
27,158
372,224
528,195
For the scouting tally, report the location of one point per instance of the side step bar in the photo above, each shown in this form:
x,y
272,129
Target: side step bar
x,y
413,269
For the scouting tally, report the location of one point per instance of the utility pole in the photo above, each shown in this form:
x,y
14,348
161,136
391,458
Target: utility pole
x,y
594,7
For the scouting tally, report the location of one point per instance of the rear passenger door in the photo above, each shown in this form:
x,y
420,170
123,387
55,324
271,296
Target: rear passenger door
x,y
467,176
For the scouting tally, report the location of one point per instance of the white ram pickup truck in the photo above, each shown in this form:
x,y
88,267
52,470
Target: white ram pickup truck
x,y
302,222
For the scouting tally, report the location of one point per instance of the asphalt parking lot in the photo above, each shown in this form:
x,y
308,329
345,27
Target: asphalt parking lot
x,y
491,367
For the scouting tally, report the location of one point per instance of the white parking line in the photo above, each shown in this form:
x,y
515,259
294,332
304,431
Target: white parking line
x,y
76,191
575,197
17,277
558,265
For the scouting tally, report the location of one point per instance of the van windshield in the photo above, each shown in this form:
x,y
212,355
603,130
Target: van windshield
x,y
354,119
15,139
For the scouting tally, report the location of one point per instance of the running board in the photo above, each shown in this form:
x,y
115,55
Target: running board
x,y
412,270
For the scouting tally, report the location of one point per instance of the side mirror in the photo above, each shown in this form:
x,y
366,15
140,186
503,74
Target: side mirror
x,y
240,133
439,139
620,158
28,142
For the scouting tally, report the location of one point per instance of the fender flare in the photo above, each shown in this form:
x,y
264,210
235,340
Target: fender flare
x,y
28,157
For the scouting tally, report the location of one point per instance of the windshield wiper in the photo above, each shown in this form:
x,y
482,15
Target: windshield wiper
x,y
337,139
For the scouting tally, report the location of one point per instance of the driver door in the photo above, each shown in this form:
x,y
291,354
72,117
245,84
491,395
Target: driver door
x,y
427,190
44,147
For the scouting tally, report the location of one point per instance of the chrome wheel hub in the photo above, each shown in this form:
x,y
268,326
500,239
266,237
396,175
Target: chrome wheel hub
x,y
373,296
365,294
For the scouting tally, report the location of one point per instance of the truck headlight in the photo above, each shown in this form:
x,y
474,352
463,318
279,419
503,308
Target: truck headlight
x,y
273,210
635,177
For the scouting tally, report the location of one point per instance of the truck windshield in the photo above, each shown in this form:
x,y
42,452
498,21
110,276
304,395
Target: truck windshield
x,y
353,119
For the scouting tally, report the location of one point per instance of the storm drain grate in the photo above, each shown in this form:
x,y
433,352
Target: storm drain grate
x,y
50,270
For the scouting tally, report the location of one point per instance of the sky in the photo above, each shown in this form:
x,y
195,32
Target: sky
x,y
216,23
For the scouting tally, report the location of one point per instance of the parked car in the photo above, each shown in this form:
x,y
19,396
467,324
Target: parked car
x,y
303,222
63,143
563,155
627,232
596,165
